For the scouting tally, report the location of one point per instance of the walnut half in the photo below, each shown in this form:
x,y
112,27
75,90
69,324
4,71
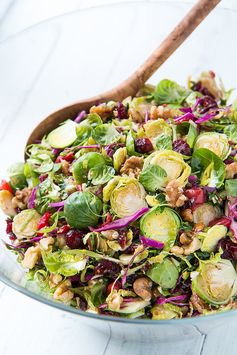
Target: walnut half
x,y
174,194
132,166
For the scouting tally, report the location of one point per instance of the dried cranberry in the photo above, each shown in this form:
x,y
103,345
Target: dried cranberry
x,y
116,286
64,229
143,145
74,239
122,239
122,111
108,269
202,89
180,146
9,226
12,237
229,249
228,161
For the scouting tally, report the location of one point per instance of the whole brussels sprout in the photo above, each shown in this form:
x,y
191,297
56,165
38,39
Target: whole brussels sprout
x,y
215,281
215,142
172,163
82,209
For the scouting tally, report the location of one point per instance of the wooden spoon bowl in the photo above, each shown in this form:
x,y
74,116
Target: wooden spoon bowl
x,y
132,85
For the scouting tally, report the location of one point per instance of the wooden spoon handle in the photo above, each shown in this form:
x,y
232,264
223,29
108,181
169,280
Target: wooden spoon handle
x,y
187,25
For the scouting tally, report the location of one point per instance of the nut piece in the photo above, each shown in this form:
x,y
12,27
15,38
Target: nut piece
x,y
6,203
187,215
54,280
132,166
193,246
62,292
174,194
184,239
104,111
177,250
142,287
31,257
231,170
163,112
21,198
110,234
65,167
46,242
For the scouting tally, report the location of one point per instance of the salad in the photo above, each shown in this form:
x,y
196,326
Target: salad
x,y
130,209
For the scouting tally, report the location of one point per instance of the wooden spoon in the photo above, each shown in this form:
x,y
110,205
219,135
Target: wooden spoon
x,y
131,86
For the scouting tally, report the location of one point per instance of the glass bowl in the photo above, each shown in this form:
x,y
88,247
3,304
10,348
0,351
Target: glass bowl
x,y
73,57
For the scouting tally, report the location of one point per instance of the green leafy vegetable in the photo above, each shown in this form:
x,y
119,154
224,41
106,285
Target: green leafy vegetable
x,y
188,131
163,142
83,165
164,274
64,263
168,91
17,176
209,167
153,178
231,187
231,132
105,134
101,174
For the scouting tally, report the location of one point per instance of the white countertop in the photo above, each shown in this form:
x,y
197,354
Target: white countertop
x,y
28,327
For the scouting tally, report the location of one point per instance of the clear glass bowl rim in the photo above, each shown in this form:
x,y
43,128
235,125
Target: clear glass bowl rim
x,y
72,310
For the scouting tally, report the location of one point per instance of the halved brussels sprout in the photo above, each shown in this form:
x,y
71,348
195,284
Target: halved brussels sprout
x,y
161,224
64,135
119,157
154,128
215,142
205,213
165,311
215,281
212,237
25,224
127,197
172,163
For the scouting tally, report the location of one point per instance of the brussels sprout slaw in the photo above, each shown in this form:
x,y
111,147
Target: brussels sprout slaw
x,y
130,209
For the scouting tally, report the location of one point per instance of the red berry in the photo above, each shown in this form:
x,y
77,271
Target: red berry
x,y
116,286
9,226
143,145
74,239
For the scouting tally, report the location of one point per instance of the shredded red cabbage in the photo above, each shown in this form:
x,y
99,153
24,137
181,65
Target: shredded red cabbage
x,y
151,242
206,117
122,222
31,202
147,116
57,204
186,117
80,117
186,109
173,299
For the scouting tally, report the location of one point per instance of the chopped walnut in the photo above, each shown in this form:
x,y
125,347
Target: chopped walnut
x,y
62,292
163,112
54,280
185,239
65,167
45,243
231,170
114,301
103,110
132,166
192,247
198,304
136,115
31,257
142,287
187,215
21,198
177,250
110,234
174,194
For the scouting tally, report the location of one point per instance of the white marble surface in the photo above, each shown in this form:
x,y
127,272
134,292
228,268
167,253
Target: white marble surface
x,y
28,327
